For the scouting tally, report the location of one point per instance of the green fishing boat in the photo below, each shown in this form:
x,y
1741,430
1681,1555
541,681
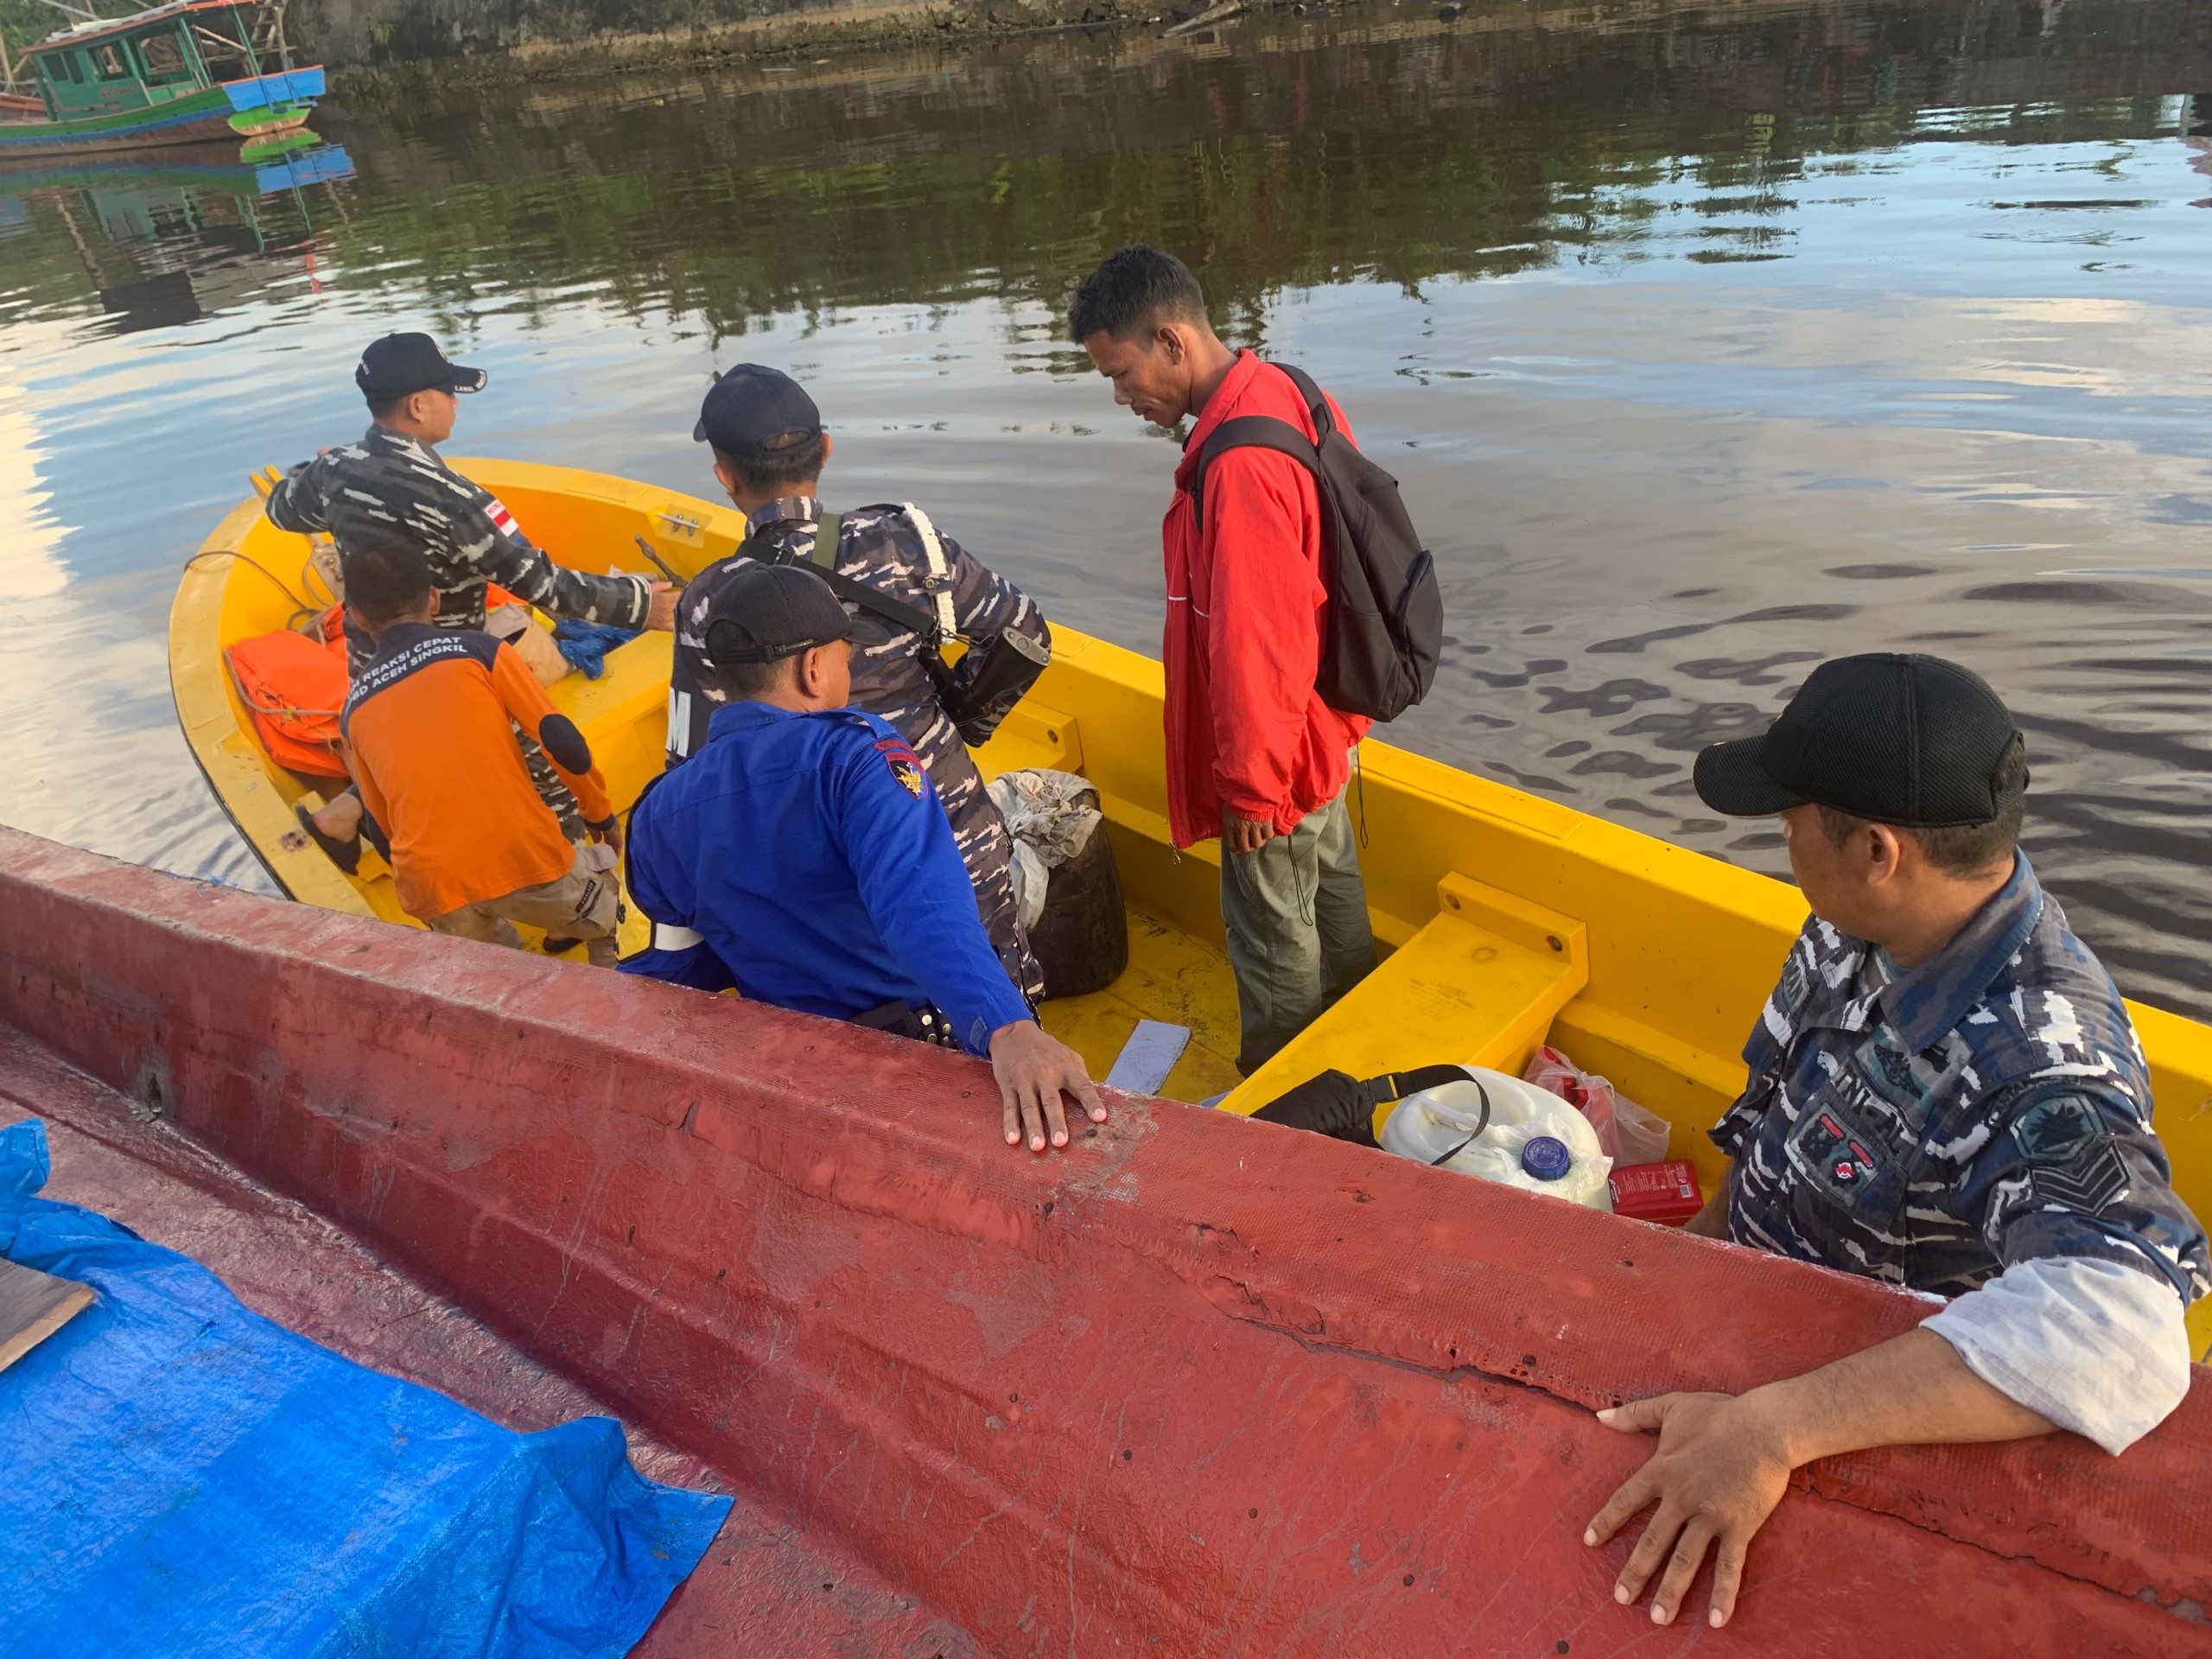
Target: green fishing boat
x,y
182,74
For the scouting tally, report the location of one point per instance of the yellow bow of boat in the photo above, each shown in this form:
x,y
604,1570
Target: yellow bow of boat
x,y
1511,920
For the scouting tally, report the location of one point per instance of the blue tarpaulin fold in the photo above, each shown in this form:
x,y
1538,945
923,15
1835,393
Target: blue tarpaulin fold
x,y
185,1477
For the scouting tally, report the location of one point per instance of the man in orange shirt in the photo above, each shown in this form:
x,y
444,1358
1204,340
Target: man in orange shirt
x,y
428,734
1254,755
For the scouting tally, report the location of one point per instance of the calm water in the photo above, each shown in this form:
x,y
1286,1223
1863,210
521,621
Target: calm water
x,y
1706,344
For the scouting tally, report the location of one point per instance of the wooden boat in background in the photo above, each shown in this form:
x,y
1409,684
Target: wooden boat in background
x,y
186,73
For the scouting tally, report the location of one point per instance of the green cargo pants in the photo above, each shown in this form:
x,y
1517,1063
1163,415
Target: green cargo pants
x,y
1299,937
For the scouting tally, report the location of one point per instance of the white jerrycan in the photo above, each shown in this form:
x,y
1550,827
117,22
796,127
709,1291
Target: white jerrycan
x,y
1501,1129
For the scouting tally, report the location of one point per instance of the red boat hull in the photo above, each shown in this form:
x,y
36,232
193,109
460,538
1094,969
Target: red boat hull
x,y
1199,1386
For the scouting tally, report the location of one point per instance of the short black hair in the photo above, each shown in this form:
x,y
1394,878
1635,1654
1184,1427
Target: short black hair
x,y
1963,850
748,681
383,408
797,462
1133,287
384,580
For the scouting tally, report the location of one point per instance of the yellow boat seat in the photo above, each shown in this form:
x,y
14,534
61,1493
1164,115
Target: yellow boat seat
x,y
1477,984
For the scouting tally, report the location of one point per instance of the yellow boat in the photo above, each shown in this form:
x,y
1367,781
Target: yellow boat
x,y
1509,921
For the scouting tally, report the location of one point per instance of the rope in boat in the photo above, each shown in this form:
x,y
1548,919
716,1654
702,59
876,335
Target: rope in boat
x,y
301,608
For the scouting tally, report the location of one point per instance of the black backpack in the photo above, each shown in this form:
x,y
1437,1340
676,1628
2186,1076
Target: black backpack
x,y
1386,615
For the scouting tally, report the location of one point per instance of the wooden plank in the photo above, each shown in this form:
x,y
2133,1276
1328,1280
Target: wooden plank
x,y
33,1306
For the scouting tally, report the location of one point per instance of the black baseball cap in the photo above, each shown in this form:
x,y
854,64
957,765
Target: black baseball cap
x,y
1909,740
400,364
770,612
756,414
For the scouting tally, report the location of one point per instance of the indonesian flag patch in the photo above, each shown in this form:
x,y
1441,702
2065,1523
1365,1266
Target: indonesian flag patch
x,y
502,520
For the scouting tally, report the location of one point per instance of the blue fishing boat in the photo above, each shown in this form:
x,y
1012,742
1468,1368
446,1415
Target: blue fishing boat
x,y
182,74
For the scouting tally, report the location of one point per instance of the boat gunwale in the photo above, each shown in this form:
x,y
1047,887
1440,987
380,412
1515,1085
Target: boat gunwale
x,y
379,1073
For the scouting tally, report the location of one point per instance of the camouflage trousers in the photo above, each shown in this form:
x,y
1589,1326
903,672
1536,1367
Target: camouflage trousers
x,y
986,848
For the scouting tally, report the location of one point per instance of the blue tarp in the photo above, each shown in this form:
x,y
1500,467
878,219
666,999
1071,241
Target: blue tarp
x,y
184,1478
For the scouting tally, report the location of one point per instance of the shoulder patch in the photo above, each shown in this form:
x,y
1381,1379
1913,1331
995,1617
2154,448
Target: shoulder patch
x,y
906,765
2054,1130
502,520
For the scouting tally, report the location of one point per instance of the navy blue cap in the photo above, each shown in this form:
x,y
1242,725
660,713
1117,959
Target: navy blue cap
x,y
400,364
757,414
1545,1157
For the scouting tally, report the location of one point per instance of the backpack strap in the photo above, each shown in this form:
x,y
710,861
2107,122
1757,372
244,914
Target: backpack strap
x,y
827,529
938,583
1316,401
907,618
1336,1104
1250,432
1396,1085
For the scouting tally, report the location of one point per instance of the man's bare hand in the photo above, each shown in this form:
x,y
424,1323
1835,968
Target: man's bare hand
x,y
661,614
1722,1464
1245,835
1033,1069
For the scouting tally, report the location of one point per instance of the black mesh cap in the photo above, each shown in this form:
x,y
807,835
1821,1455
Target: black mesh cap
x,y
770,612
1909,740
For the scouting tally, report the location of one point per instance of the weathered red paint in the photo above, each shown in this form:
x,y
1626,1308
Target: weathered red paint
x,y
763,1588
1197,1386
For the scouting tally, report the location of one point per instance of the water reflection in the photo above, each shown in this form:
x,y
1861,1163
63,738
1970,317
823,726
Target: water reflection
x,y
1705,346
168,241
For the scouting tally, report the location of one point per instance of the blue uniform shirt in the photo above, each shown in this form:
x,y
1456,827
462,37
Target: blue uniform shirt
x,y
810,854
1932,1127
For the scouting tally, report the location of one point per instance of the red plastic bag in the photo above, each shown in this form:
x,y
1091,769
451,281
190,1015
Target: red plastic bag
x,y
1629,1134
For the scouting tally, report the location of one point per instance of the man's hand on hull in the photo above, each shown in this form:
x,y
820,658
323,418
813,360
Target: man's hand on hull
x,y
1034,1069
1721,1467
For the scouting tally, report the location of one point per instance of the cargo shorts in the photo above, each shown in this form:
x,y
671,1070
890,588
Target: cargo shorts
x,y
585,904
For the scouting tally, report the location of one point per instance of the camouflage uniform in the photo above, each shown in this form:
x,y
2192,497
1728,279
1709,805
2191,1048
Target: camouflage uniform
x,y
390,488
884,547
1930,1127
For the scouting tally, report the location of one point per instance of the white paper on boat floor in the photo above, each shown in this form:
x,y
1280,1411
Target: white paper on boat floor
x,y
1149,1055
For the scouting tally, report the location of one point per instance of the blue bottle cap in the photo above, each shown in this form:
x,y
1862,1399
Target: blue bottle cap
x,y
1546,1159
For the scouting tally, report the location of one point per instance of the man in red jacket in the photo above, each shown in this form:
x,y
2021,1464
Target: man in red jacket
x,y
1254,755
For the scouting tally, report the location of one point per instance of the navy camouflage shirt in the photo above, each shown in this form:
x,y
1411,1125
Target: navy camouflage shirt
x,y
884,547
392,488
1930,1126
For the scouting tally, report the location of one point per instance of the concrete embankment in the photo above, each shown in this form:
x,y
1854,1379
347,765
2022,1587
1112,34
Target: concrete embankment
x,y
386,46
393,42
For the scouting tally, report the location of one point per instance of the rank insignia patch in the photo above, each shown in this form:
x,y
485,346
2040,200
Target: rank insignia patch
x,y
2093,1180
